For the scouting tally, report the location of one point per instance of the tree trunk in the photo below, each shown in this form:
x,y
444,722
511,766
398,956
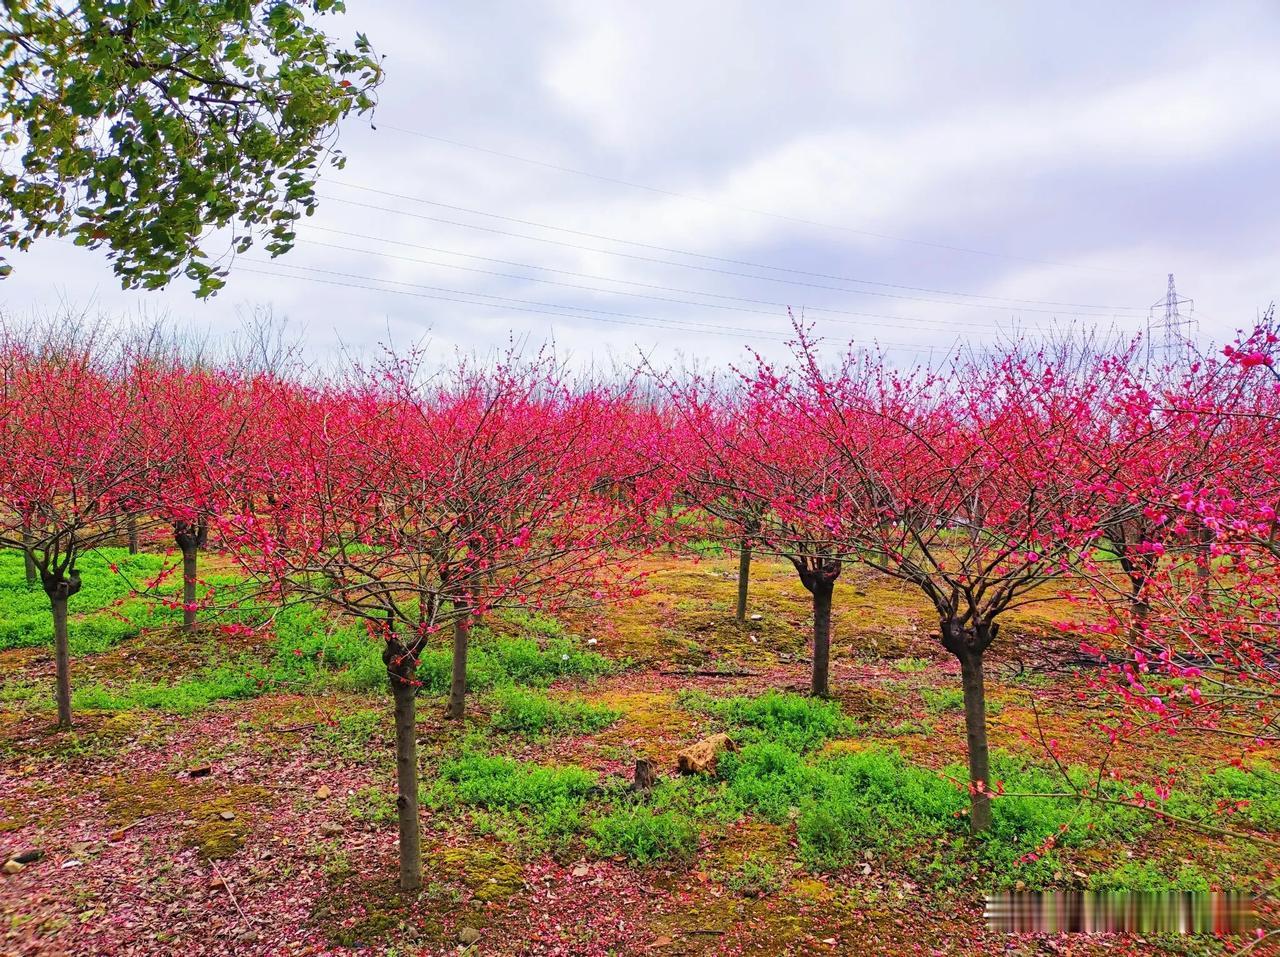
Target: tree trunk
x,y
822,592
133,534
190,536
27,558
189,563
407,782
975,724
62,660
1204,569
744,579
1139,608
458,686
818,575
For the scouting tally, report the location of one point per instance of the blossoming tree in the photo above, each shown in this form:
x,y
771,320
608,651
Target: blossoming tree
x,y
979,486
73,458
745,461
421,507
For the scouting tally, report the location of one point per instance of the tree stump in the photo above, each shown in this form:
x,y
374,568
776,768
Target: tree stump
x,y
646,775
701,758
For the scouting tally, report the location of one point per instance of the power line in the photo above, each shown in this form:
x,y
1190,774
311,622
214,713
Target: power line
x,y
807,307
522,302
608,317
745,209
469,302
778,306
682,265
566,311
1004,300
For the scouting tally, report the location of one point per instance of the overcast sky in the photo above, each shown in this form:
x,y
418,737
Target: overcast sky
x,y
903,173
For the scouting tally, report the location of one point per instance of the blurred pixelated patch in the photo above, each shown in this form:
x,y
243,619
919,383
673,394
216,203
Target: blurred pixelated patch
x,y
1106,912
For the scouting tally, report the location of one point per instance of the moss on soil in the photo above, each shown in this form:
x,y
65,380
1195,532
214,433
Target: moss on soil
x,y
652,725
487,874
360,914
204,805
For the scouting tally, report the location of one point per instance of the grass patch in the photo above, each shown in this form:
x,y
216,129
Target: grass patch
x,y
666,824
876,799
642,834
309,652
938,700
706,547
795,722
903,728
1147,876
216,683
490,781
103,613
529,712
1257,786
494,661
24,691
533,623
312,652
545,799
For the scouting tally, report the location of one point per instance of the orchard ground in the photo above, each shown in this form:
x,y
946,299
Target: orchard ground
x,y
233,793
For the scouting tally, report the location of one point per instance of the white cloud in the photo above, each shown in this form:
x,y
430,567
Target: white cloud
x,y
1126,141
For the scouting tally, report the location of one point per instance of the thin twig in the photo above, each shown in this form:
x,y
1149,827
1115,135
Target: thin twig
x,y
226,885
1154,812
1254,943
121,831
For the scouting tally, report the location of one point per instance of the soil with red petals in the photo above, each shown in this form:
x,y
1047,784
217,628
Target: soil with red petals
x,y
236,830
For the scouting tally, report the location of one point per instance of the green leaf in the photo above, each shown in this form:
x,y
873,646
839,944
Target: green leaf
x,y
203,106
